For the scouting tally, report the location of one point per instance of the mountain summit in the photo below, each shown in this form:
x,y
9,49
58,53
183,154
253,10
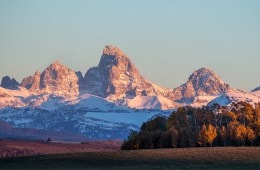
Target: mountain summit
x,y
200,83
9,83
56,78
116,76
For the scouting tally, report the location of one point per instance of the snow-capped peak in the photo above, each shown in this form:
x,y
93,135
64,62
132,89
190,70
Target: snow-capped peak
x,y
202,82
202,75
206,81
118,80
56,78
116,77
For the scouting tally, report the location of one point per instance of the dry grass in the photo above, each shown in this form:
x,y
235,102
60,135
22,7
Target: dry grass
x,y
13,148
105,158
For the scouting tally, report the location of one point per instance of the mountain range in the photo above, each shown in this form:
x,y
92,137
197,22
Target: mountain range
x,y
108,101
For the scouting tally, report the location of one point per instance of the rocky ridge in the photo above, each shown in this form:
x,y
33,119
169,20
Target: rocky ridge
x,y
9,83
116,77
56,78
202,82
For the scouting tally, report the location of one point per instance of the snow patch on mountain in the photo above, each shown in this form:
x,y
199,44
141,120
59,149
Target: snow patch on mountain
x,y
96,103
135,117
13,98
151,102
200,101
93,124
235,96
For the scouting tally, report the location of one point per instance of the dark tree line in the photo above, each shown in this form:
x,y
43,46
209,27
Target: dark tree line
x,y
235,125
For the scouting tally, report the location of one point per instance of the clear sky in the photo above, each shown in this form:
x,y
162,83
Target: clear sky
x,y
166,39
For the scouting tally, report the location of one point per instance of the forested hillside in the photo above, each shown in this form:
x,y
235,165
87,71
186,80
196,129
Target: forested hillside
x,y
234,125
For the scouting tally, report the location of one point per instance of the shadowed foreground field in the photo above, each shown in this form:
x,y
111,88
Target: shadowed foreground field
x,y
14,148
182,158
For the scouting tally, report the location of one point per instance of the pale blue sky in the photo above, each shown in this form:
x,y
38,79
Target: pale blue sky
x,y
166,39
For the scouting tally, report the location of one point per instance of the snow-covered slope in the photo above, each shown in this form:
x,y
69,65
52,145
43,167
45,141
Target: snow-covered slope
x,y
200,101
89,116
96,103
235,96
83,118
13,98
154,102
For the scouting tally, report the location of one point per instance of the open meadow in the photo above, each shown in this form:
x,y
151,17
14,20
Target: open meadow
x,y
14,148
100,157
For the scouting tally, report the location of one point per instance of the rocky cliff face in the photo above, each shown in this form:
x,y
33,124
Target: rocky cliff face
x,y
56,78
201,82
32,82
116,76
9,83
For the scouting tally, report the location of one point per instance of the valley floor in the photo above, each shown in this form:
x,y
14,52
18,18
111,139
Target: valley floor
x,y
181,158
14,148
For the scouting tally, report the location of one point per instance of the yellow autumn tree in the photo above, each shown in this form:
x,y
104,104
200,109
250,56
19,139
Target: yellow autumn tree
x,y
232,116
231,130
241,133
207,134
250,135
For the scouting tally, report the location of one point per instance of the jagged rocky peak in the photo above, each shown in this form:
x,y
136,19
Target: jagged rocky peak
x,y
113,51
9,83
202,82
59,78
32,82
116,76
205,80
56,78
113,56
204,74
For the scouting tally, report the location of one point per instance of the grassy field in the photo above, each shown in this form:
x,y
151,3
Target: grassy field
x,y
181,158
14,148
